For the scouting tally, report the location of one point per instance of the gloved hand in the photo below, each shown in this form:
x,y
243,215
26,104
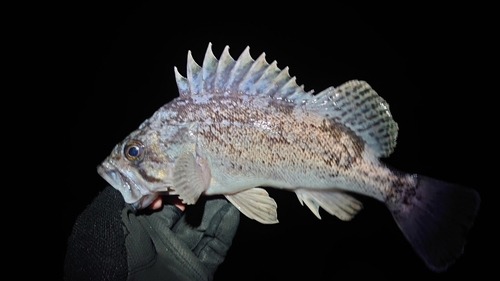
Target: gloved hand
x,y
110,241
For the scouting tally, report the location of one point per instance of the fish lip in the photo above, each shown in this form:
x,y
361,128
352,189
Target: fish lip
x,y
112,176
122,183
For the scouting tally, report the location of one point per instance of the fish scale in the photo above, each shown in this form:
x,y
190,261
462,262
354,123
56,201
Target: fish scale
x,y
240,125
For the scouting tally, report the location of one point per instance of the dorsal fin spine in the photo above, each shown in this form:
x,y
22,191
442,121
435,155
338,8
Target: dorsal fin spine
x,y
210,64
226,63
239,70
254,74
182,83
289,88
193,74
264,80
277,83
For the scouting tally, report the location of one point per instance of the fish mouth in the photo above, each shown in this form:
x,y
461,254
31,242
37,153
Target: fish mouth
x,y
112,176
130,191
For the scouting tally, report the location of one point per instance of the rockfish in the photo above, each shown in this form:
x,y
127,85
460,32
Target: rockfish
x,y
239,125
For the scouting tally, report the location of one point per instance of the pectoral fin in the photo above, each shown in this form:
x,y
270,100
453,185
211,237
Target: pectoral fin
x,y
191,178
256,204
337,203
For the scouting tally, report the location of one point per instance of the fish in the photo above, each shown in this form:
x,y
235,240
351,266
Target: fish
x,y
240,126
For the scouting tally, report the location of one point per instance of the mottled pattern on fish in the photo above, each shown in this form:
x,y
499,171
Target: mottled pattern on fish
x,y
238,125
278,144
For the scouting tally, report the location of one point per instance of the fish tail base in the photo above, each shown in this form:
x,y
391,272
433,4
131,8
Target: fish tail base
x,y
436,219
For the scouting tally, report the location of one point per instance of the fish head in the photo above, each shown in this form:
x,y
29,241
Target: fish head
x,y
139,167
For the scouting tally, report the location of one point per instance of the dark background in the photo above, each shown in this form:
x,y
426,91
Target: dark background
x,y
428,62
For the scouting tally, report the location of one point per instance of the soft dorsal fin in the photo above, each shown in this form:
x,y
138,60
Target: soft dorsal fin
x,y
353,104
357,106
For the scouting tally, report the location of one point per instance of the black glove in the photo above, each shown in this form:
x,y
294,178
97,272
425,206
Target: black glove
x,y
110,241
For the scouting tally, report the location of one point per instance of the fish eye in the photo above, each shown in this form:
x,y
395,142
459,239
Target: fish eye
x,y
134,150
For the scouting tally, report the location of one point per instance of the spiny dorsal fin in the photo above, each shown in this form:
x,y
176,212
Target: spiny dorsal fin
x,y
353,104
243,76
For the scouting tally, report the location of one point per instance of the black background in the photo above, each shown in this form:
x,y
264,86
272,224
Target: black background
x,y
428,62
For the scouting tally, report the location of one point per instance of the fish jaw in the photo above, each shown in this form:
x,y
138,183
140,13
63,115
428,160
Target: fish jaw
x,y
132,193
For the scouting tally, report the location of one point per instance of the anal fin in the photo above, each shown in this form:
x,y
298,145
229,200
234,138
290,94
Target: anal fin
x,y
190,178
256,204
335,202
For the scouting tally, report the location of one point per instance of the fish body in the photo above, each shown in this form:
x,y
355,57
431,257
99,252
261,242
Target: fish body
x,y
238,125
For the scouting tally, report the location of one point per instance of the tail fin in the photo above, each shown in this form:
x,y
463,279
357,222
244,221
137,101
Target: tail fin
x,y
436,220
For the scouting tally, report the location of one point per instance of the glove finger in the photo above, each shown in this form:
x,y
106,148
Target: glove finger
x,y
167,216
141,249
219,234
197,218
193,224
169,258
